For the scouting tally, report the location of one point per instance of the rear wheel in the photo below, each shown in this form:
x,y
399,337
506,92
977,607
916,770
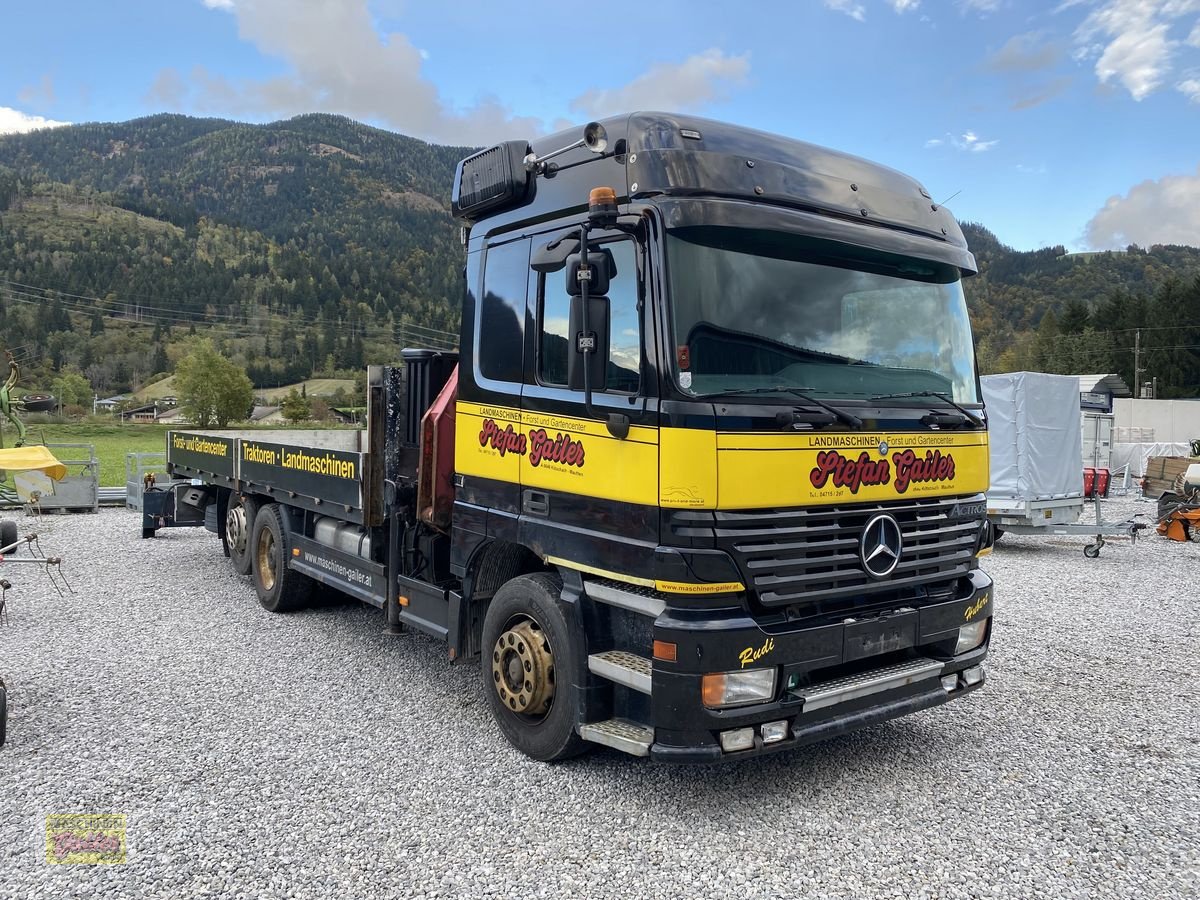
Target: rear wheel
x,y
239,520
527,668
279,588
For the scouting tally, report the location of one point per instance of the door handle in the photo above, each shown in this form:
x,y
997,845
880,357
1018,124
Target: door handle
x,y
535,503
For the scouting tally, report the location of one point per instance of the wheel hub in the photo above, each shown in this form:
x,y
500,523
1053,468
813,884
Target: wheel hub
x,y
523,669
235,528
266,560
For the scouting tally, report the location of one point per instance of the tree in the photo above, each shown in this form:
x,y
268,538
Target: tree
x,y
212,390
72,389
296,407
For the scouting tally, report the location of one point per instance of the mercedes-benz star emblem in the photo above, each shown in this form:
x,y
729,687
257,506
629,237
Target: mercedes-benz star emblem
x,y
883,448
880,546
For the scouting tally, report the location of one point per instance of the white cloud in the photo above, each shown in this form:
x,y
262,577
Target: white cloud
x,y
1138,58
1165,211
1131,41
697,80
849,7
1190,87
338,62
1194,38
982,6
968,142
856,10
15,121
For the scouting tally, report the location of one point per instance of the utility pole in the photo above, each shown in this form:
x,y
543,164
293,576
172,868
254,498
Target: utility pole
x,y
1137,364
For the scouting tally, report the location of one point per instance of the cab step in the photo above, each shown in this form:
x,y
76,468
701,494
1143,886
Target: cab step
x,y
623,667
851,687
644,601
620,734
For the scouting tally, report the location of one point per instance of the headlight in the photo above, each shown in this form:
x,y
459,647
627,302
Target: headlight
x,y
724,689
971,636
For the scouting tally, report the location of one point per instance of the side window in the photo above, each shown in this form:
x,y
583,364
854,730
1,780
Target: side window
x,y
625,337
500,336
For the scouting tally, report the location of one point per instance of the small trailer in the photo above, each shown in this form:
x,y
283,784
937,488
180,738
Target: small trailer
x,y
1035,449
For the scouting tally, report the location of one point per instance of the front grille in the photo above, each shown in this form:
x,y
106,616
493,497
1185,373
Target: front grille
x,y
802,556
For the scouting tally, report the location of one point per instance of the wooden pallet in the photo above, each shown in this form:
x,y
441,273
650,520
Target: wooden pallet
x,y
1162,473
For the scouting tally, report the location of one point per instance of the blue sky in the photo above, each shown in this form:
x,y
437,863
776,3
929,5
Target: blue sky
x,y
1076,123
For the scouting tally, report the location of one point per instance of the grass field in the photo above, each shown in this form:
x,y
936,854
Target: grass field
x,y
314,387
112,442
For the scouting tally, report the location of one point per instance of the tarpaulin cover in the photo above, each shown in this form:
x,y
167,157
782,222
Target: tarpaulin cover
x,y
1034,435
34,457
1137,455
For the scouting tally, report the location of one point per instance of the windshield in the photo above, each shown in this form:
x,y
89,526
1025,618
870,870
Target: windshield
x,y
757,309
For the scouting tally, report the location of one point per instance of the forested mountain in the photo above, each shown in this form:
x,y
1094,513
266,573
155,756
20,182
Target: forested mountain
x,y
1050,311
306,245
318,244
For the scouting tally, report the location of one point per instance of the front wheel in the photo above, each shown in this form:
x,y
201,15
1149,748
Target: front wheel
x,y
279,588
527,668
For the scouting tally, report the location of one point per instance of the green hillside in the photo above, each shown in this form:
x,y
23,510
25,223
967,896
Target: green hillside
x,y
305,247
1047,310
310,247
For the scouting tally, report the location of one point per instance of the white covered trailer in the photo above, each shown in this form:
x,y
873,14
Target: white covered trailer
x,y
1035,442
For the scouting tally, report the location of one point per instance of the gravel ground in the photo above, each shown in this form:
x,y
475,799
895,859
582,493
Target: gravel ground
x,y
313,756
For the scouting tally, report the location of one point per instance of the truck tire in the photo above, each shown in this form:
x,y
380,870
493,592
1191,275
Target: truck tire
x,y
8,534
239,523
526,643
279,588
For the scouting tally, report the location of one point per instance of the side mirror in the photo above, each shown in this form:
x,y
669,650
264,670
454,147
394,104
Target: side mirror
x,y
598,319
553,256
603,269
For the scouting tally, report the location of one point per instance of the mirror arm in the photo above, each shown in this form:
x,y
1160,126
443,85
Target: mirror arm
x,y
618,423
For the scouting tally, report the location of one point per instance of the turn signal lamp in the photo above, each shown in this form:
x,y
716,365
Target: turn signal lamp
x,y
666,651
721,690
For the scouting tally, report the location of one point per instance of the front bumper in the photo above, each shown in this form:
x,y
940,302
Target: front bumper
x,y
831,679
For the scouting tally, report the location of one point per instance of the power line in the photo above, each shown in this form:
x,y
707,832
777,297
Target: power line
x,y
239,325
149,310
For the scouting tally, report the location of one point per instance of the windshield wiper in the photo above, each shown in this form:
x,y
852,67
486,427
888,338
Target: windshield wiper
x,y
944,397
842,416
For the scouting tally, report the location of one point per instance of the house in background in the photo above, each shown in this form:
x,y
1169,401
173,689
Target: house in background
x,y
108,404
156,411
266,415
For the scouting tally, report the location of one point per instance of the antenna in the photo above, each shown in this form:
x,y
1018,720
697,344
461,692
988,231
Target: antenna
x,y
951,197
